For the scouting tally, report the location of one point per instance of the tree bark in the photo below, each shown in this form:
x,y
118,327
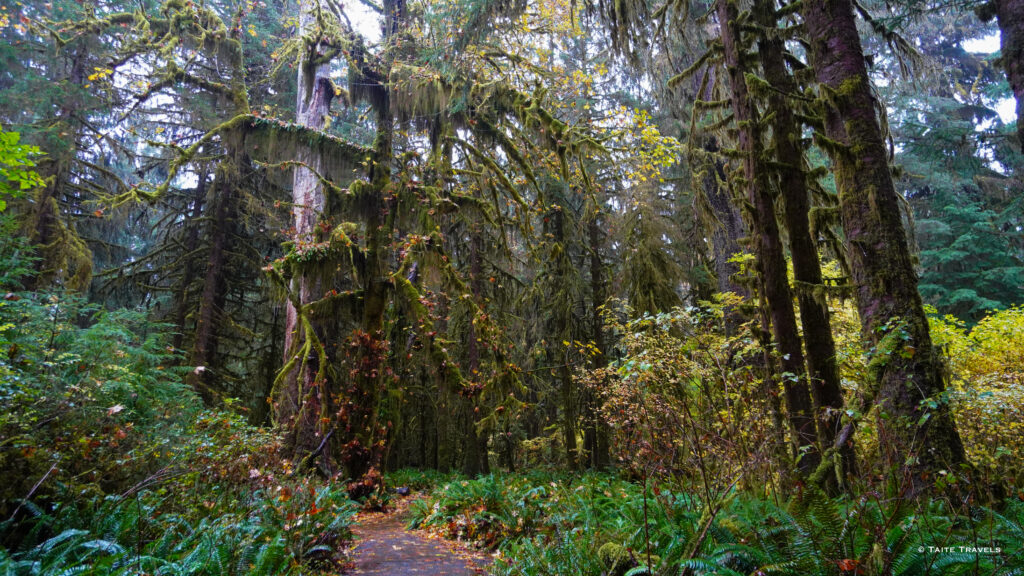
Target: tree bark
x,y
595,432
475,444
725,236
822,367
64,257
772,260
1010,14
302,404
560,329
362,455
191,242
905,370
221,202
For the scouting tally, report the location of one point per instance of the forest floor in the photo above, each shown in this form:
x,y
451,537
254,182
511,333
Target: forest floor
x,y
384,547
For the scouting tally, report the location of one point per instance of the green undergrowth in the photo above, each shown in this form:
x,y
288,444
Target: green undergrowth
x,y
417,480
152,534
597,524
109,465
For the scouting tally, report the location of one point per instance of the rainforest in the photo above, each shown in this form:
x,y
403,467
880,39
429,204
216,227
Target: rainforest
x,y
511,287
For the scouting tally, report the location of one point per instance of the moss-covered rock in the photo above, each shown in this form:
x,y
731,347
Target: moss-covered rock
x,y
618,560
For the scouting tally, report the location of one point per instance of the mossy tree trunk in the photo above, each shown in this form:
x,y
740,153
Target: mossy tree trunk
x,y
64,257
769,250
822,365
183,290
365,437
559,348
595,432
222,206
1011,28
917,434
725,233
302,406
475,460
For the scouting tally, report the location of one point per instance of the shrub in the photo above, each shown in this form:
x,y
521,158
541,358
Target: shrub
x,y
987,389
112,466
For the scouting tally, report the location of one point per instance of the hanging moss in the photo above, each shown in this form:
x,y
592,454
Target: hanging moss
x,y
91,27
345,304
712,104
65,257
418,91
276,139
365,86
410,298
711,56
510,149
833,147
495,170
717,125
758,87
270,139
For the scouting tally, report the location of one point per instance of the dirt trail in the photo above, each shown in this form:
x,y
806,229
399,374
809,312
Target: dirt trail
x,y
385,548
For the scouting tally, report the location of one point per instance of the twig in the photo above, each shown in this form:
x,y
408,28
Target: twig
x,y
33,490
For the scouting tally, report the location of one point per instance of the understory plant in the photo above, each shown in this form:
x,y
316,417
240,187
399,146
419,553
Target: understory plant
x,y
110,465
545,524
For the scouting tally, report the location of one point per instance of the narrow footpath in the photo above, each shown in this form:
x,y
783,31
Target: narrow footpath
x,y
384,547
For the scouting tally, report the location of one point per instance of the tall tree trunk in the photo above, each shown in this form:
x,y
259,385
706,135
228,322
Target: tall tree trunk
x,y
595,434
63,255
302,404
362,454
1010,15
905,370
822,366
191,242
782,444
475,444
772,260
222,205
725,235
560,330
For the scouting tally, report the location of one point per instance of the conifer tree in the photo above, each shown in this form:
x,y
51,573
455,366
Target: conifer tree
x,y
771,261
916,430
795,194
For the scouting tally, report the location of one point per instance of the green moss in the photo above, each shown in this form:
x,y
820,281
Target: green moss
x,y
615,558
819,292
618,560
849,87
65,255
757,86
832,147
709,57
884,350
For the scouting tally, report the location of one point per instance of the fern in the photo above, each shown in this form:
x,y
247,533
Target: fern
x,y
270,557
74,570
61,539
104,547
